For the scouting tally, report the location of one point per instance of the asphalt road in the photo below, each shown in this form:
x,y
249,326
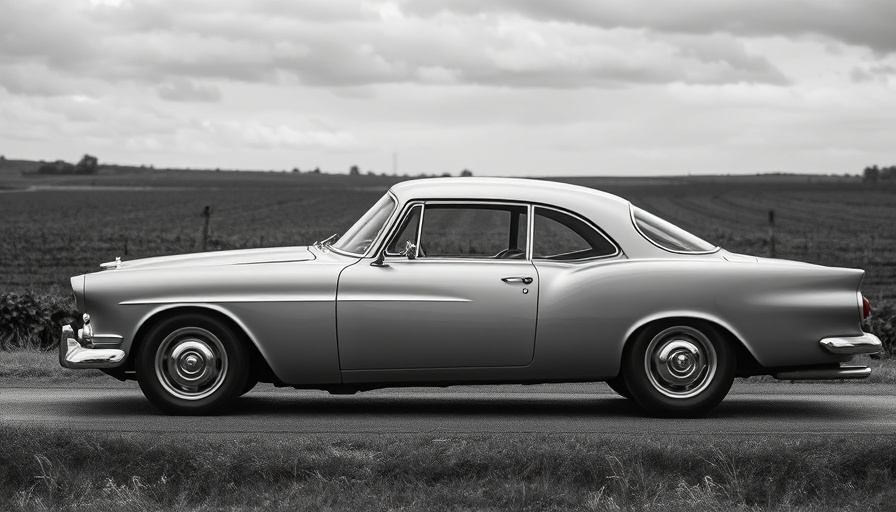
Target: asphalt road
x,y
750,409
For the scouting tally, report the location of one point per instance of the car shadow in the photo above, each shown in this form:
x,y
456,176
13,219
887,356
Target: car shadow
x,y
812,409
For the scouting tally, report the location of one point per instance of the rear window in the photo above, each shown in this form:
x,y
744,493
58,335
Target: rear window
x,y
668,236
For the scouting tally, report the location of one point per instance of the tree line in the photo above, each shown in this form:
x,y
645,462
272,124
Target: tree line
x,y
88,165
875,174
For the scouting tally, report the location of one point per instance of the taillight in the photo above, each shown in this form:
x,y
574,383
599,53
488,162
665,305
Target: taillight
x,y
866,307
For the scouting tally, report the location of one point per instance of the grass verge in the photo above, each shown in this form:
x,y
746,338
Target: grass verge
x,y
35,364
42,469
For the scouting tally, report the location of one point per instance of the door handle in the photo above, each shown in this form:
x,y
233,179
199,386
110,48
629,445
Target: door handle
x,y
524,280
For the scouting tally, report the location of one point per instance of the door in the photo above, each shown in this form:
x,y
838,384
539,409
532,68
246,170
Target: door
x,y
455,290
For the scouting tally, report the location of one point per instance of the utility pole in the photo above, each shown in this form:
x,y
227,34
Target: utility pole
x,y
206,214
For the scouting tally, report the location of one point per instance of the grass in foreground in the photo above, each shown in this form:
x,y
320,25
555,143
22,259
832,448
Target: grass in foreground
x,y
40,470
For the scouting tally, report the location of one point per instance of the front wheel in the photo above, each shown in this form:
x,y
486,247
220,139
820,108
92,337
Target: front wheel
x,y
679,369
192,365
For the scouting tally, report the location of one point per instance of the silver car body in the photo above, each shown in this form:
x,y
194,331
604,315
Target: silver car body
x,y
323,318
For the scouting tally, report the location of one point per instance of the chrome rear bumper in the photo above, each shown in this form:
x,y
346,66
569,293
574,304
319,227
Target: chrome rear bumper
x,y
72,354
826,373
867,343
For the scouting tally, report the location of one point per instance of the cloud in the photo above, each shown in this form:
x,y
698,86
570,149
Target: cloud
x,y
188,91
258,135
344,44
872,73
858,22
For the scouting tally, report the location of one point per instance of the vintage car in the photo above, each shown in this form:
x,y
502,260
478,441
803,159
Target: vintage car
x,y
471,281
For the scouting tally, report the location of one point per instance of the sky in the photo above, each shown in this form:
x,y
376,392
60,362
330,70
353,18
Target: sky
x,y
499,87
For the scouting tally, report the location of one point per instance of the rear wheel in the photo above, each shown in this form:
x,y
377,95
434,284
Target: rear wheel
x,y
192,365
679,369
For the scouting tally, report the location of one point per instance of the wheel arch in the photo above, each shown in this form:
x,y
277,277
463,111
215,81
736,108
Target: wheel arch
x,y
258,361
746,361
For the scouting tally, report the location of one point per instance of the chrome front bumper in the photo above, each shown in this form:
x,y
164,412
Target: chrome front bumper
x,y
75,354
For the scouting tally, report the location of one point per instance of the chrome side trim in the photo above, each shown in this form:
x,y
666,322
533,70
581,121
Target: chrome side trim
x,y
398,298
229,299
843,372
867,343
75,356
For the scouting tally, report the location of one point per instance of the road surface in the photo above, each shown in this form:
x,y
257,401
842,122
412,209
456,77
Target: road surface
x,y
750,409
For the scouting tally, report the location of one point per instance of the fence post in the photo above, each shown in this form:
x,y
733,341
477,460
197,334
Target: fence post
x,y
771,233
206,214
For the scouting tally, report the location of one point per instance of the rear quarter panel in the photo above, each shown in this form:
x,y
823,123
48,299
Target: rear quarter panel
x,y
779,310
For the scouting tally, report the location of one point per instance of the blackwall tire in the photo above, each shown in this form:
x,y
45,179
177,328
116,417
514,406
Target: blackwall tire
x,y
251,382
192,364
679,369
618,385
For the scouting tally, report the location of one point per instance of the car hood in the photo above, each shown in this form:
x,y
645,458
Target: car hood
x,y
218,258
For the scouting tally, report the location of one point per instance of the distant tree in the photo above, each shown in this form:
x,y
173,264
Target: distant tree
x,y
371,173
2,158
466,173
354,171
316,170
296,170
871,174
446,174
57,167
888,173
88,165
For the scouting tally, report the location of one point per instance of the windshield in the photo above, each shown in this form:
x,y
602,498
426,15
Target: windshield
x,y
667,235
359,237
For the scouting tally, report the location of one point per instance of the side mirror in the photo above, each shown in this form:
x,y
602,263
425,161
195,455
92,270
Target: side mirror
x,y
380,260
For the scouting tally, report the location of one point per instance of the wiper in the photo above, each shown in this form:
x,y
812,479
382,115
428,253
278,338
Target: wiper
x,y
327,241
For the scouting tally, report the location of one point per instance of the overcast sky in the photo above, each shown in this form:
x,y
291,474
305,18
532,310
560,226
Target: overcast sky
x,y
503,87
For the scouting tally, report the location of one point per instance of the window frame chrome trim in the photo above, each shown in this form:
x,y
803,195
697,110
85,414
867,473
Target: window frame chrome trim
x,y
375,241
587,222
405,212
631,213
394,226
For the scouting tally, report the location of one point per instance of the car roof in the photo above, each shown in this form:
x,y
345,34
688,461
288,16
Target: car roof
x,y
508,189
610,213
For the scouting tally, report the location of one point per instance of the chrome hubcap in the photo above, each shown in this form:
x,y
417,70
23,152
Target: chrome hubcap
x,y
680,362
191,363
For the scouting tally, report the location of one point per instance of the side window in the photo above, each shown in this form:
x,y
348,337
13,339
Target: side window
x,y
560,236
407,232
473,231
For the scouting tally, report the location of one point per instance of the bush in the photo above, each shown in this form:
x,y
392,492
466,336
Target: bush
x,y
883,316
33,321
57,167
